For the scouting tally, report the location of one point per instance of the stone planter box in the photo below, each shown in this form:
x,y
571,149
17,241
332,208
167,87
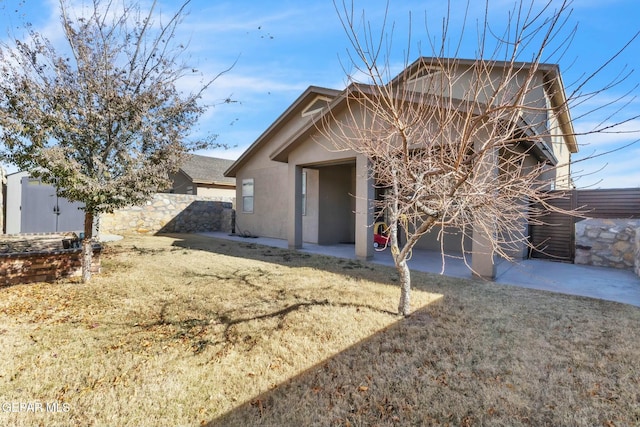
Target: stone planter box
x,y
41,258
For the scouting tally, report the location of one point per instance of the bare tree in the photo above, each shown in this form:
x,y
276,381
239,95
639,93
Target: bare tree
x,y
102,116
470,145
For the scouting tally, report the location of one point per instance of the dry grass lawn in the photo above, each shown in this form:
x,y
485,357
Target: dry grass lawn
x,y
187,330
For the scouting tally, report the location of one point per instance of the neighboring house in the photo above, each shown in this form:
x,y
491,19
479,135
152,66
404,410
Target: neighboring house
x,y
289,163
204,176
34,207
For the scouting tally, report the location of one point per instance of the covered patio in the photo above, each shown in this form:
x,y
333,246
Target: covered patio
x,y
594,282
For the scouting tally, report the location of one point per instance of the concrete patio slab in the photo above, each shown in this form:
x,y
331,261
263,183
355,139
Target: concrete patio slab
x,y
595,282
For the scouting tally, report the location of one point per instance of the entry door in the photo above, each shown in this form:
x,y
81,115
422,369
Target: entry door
x,y
43,212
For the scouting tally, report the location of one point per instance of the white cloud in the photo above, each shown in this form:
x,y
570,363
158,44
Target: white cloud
x,y
622,134
225,17
627,179
617,169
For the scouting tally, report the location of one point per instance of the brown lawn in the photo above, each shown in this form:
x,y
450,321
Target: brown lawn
x,y
187,330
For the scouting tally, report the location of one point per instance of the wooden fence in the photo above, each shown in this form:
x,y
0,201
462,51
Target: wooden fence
x,y
556,238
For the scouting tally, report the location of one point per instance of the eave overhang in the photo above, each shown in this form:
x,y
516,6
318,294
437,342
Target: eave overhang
x,y
312,92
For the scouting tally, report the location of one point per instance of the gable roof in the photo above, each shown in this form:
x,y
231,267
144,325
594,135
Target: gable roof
x,y
281,153
308,98
551,77
206,170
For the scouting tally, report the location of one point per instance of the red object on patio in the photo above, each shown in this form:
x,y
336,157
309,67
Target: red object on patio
x,y
380,237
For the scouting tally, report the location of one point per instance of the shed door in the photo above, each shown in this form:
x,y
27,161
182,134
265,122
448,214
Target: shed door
x,y
43,212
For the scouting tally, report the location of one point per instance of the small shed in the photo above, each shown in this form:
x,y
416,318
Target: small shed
x,y
33,206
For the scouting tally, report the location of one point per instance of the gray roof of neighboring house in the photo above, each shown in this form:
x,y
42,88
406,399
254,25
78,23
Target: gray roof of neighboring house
x,y
207,170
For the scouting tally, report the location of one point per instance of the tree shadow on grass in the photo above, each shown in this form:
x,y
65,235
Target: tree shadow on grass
x,y
194,331
349,268
370,383
480,356
204,326
443,366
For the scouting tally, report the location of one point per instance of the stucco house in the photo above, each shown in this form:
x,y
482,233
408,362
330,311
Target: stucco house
x,y
204,176
291,186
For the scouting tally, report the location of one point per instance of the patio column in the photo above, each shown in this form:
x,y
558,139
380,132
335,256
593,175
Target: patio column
x,y
295,207
364,211
483,260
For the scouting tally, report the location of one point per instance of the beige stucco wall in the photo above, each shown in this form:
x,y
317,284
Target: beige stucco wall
x,y
226,193
269,204
334,180
535,114
269,216
462,85
449,238
561,173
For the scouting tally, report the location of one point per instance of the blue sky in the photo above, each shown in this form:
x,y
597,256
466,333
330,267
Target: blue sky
x,y
282,47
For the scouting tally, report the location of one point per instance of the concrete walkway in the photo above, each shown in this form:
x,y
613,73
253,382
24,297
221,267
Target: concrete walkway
x,y
595,282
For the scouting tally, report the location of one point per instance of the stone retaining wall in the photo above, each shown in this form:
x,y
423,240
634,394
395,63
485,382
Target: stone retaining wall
x,y
170,213
609,243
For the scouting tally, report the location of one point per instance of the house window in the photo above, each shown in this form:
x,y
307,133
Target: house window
x,y
304,193
247,195
549,110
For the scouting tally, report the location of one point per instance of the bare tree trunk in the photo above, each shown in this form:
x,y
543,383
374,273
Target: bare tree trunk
x,y
87,247
405,287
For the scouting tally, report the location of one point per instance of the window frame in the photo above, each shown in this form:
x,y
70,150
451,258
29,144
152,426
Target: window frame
x,y
304,193
246,196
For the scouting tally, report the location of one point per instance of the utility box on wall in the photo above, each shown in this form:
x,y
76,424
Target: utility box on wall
x,y
34,207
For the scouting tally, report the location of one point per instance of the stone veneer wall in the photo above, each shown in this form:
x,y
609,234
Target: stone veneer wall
x,y
170,213
609,243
